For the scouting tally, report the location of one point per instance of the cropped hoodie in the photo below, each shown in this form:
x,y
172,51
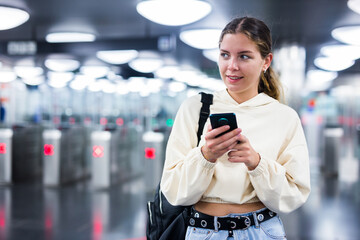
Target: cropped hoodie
x,y
281,181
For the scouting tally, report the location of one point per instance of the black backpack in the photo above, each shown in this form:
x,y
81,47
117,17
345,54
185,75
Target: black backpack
x,y
165,221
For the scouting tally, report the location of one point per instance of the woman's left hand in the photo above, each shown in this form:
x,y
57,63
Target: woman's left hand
x,y
243,152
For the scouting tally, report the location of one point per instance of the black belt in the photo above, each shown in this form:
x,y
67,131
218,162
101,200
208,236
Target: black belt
x,y
201,220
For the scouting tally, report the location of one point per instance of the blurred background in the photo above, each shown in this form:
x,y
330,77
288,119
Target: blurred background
x,y
89,91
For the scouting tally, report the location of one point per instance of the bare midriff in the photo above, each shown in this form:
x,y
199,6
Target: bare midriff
x,y
222,209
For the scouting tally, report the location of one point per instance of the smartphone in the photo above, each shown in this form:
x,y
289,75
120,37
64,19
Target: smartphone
x,y
221,119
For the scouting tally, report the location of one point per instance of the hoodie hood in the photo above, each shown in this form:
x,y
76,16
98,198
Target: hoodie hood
x,y
224,98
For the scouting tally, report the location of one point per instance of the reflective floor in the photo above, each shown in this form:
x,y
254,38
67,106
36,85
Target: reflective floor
x,y
31,211
332,211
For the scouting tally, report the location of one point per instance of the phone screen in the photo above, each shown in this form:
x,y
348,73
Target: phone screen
x,y
221,119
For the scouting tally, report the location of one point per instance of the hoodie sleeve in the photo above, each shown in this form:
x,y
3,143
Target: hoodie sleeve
x,y
283,184
186,174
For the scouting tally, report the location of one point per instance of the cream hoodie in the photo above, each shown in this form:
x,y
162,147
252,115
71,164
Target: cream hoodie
x,y
281,180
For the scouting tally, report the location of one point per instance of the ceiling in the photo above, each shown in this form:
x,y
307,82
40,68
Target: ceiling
x,y
118,26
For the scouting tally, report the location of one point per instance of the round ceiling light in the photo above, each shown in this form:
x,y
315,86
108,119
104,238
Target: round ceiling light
x,y
212,54
61,37
321,76
177,86
354,5
146,65
348,35
345,51
167,72
7,76
11,17
62,65
319,80
201,38
34,81
117,56
28,71
60,76
333,64
81,82
95,71
173,12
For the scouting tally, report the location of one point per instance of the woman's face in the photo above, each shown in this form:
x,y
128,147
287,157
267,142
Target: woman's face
x,y
240,66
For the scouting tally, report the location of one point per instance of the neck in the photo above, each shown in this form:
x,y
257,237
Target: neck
x,y
240,98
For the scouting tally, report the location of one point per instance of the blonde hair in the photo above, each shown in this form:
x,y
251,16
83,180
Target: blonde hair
x,y
259,33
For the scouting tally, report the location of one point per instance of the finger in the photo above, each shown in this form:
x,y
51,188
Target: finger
x,y
227,141
236,159
238,156
225,145
232,153
242,139
232,134
233,145
214,132
235,153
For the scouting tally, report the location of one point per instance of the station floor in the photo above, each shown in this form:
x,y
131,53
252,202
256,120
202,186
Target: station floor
x,y
30,211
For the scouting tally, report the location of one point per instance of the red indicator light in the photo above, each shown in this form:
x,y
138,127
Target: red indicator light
x,y
98,151
2,148
150,153
56,120
136,121
48,150
48,220
103,121
87,120
72,120
120,121
48,224
97,227
311,103
2,218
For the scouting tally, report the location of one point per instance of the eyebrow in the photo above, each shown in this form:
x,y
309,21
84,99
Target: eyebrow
x,y
242,52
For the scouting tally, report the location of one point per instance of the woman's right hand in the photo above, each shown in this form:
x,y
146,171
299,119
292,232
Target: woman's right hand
x,y
216,147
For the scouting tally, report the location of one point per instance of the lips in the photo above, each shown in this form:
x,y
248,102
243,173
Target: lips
x,y
233,78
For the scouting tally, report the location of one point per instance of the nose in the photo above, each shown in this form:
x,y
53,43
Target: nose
x,y
233,64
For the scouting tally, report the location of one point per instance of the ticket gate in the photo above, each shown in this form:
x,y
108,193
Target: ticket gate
x,y
64,155
5,155
115,156
126,156
100,165
332,148
6,211
154,158
51,175
26,154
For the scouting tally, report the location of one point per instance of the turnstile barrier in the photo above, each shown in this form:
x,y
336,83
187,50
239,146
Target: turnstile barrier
x,y
5,155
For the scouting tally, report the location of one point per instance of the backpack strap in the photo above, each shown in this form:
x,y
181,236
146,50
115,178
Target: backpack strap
x,y
207,100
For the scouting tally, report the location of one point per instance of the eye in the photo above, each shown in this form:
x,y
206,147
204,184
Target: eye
x,y
244,57
224,55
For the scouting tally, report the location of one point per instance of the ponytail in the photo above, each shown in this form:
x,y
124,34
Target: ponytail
x,y
270,84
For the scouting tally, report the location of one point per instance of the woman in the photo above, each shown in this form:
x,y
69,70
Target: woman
x,y
239,181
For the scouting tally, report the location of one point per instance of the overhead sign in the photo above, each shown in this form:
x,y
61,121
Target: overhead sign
x,y
21,48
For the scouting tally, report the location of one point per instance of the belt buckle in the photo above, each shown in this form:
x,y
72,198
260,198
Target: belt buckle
x,y
247,222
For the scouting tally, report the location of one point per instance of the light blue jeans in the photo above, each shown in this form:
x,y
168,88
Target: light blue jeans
x,y
270,229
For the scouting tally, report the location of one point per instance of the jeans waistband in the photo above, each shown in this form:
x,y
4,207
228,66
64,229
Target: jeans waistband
x,y
240,222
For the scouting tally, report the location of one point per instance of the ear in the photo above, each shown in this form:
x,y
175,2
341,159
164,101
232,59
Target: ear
x,y
267,61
